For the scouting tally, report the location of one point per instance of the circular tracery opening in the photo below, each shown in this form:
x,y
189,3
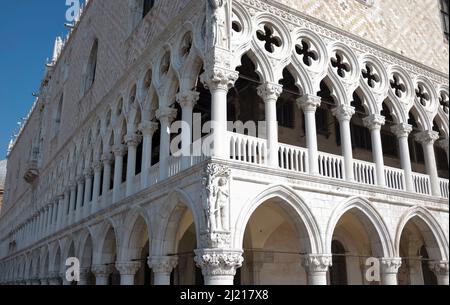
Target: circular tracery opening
x,y
307,51
270,38
398,85
341,64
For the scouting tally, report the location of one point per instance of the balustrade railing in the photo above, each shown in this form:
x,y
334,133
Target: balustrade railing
x,y
394,178
364,172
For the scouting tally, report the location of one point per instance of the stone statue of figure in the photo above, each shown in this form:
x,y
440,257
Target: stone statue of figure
x,y
221,204
217,23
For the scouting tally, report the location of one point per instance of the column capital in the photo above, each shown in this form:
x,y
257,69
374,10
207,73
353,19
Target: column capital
x,y
219,78
166,114
427,137
401,130
148,128
316,262
162,264
309,102
73,186
102,270
270,91
390,264
188,98
128,268
133,140
374,121
343,112
439,267
119,150
218,261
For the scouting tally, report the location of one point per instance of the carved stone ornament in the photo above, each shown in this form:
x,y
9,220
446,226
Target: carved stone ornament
x,y
218,262
216,199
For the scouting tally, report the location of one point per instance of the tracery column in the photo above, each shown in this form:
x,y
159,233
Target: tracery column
x,y
427,139
132,141
162,267
102,273
88,189
344,114
309,104
374,123
402,132
96,191
72,202
80,193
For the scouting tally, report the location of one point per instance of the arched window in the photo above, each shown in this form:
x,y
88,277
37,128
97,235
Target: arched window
x,y
338,271
91,68
147,7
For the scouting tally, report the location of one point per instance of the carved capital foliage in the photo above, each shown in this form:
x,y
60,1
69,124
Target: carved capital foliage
x,y
374,121
148,128
128,268
188,98
133,139
439,267
401,130
219,78
390,264
218,261
309,102
101,270
215,239
316,262
162,264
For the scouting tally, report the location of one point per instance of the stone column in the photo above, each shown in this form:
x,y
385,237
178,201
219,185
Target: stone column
x,y
80,192
162,267
102,273
127,272
309,103
374,123
119,152
87,188
96,191
166,117
48,219
316,267
84,276
132,141
187,101
148,129
440,269
389,270
218,265
72,202
427,139
270,93
219,81
402,132
107,159
344,115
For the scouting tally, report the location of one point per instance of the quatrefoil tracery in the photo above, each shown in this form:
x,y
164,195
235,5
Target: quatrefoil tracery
x,y
270,39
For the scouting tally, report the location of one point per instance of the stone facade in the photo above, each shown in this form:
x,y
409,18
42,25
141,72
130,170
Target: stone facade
x,y
92,174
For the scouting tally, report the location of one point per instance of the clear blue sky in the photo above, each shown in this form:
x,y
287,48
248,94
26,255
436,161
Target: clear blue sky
x,y
28,29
